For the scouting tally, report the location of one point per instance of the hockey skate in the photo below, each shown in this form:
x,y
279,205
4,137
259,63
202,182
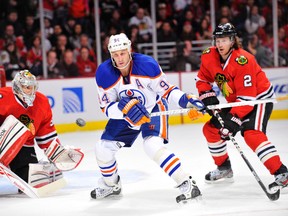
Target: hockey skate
x,y
281,179
103,190
189,190
222,173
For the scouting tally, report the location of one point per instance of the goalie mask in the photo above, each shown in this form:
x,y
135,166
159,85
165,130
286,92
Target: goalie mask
x,y
119,42
24,85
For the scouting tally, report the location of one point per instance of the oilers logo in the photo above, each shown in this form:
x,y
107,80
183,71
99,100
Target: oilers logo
x,y
133,93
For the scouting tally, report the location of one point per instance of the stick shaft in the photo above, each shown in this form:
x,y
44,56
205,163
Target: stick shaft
x,y
217,106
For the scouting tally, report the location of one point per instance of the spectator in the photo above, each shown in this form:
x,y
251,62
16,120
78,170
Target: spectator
x,y
263,55
108,7
224,12
86,67
53,65
133,34
204,32
62,46
115,20
12,19
34,55
144,23
254,21
50,7
183,56
48,29
79,10
163,15
57,30
198,9
188,17
74,40
187,32
244,9
85,41
68,67
283,47
11,60
68,27
166,33
29,30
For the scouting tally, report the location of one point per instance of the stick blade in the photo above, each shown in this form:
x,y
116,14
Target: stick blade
x,y
274,196
51,188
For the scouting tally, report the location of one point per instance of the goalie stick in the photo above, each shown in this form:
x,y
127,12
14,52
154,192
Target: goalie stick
x,y
217,106
272,196
28,189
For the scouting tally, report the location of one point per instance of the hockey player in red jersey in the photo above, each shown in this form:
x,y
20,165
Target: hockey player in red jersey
x,y
25,119
239,78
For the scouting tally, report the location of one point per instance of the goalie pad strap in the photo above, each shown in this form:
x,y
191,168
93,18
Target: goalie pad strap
x,y
13,135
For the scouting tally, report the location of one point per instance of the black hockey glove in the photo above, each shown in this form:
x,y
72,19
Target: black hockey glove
x,y
232,125
209,98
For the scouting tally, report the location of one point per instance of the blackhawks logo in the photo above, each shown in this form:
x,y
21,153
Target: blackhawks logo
x,y
222,83
242,60
25,119
206,51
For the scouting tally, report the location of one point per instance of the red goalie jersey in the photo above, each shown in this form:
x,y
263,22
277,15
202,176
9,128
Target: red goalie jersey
x,y
37,118
239,78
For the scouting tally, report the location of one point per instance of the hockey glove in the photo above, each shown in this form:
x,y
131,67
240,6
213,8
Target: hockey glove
x,y
134,112
231,126
194,114
65,158
191,101
209,98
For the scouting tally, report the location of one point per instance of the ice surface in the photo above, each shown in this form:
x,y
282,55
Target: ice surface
x,y
146,188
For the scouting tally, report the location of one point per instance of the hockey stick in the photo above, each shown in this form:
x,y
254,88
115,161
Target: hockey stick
x,y
282,98
271,196
28,189
217,106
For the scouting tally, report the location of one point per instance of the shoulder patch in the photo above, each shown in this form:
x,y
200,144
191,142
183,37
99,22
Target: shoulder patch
x,y
241,60
206,51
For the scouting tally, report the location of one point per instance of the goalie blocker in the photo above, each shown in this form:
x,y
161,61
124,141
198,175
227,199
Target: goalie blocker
x,y
13,135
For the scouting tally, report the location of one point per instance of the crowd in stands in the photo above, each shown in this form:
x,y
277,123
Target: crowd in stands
x,y
69,30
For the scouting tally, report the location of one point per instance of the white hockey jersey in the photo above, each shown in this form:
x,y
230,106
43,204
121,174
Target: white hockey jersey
x,y
146,82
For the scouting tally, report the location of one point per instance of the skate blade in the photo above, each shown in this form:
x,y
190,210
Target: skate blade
x,y
183,201
220,181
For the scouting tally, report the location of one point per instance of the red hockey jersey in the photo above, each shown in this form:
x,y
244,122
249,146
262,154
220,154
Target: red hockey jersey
x,y
38,118
240,78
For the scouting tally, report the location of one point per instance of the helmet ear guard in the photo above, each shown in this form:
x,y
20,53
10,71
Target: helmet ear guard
x,y
24,79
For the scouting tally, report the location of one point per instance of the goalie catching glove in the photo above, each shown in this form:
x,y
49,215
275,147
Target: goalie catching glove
x,y
65,158
134,112
232,125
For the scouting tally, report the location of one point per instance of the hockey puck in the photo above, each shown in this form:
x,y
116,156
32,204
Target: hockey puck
x,y
80,122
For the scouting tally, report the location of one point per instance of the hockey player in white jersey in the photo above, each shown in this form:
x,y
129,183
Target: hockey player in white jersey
x,y
130,86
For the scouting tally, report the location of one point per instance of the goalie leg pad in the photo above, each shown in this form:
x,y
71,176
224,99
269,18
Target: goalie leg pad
x,y
13,135
43,173
64,158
